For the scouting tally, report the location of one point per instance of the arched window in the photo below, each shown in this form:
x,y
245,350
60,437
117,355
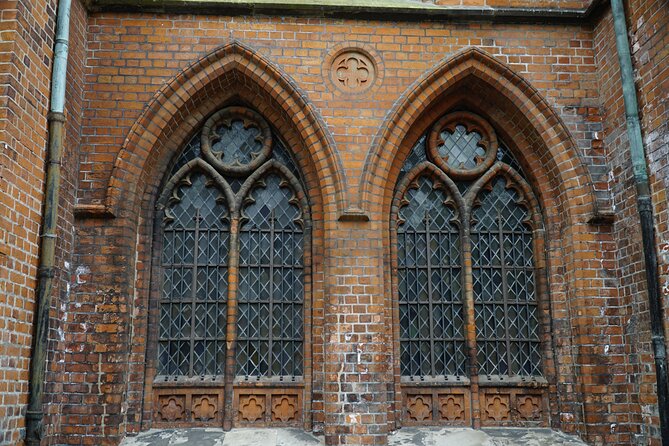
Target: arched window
x,y
466,228
232,242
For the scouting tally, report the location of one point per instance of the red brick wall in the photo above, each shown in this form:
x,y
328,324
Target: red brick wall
x,y
132,56
649,37
58,374
130,110
26,28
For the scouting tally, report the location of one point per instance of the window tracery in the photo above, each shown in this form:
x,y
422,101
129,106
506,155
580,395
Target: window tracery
x,y
233,236
465,240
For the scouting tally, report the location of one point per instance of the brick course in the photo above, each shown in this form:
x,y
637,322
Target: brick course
x,y
140,85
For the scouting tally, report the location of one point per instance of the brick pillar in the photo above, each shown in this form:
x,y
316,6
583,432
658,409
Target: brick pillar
x,y
357,342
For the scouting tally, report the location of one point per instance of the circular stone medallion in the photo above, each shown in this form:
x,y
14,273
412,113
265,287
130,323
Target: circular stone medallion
x,y
352,71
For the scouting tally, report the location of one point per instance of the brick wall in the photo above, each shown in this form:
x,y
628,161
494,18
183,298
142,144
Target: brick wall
x,y
132,56
66,277
648,40
26,30
140,84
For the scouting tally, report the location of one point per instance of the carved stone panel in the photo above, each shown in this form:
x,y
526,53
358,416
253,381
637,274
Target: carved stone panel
x,y
183,405
205,407
497,408
284,408
445,406
513,407
172,408
251,407
529,407
452,407
263,406
419,407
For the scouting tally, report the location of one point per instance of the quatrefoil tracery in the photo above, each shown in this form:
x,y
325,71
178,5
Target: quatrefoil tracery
x,y
463,145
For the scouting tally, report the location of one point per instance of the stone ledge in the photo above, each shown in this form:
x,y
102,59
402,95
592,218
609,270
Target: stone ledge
x,y
373,9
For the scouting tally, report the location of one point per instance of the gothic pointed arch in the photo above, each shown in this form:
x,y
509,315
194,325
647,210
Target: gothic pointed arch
x,y
204,87
231,288
467,80
468,302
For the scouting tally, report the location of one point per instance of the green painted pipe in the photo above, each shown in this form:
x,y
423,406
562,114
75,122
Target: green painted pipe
x,y
645,206
46,269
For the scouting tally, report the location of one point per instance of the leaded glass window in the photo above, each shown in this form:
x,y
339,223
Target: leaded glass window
x,y
461,196
504,292
193,302
430,297
271,262
233,226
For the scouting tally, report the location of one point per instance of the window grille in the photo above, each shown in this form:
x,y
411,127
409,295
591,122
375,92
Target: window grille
x,y
193,304
431,310
504,292
460,191
232,193
269,324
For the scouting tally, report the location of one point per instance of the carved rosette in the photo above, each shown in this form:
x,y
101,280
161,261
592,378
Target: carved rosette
x,y
204,407
172,408
463,145
251,407
229,154
352,70
419,407
284,408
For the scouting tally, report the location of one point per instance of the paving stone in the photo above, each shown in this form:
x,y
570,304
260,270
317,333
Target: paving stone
x,y
403,437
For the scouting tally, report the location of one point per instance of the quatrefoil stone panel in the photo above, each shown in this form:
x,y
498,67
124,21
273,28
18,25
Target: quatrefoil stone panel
x,y
352,70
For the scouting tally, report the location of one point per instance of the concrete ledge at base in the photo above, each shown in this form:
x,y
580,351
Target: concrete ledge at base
x,y
404,437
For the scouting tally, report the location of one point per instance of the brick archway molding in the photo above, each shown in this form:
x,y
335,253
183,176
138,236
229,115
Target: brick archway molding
x,y
183,102
118,253
557,150
476,81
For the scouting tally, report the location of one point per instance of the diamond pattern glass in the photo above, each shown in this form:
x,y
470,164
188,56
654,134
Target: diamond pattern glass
x,y
236,144
190,152
461,148
193,299
271,291
417,155
507,325
430,292
504,155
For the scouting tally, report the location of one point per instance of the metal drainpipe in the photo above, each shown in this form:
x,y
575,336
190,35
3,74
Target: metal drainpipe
x,y
645,206
46,269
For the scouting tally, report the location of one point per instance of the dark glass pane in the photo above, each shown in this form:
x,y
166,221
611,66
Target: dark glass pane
x,y
271,291
431,312
236,144
190,152
194,287
416,156
461,148
506,156
503,277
